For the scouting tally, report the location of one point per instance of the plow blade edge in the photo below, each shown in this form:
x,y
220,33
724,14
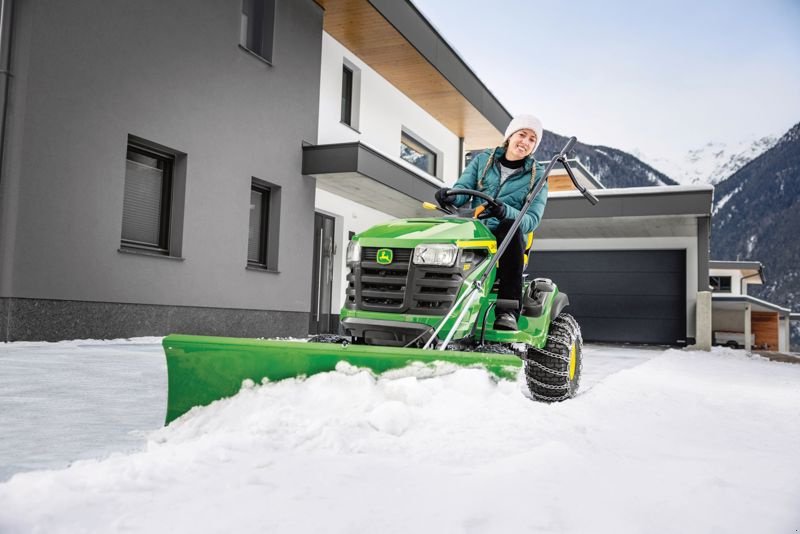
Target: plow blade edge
x,y
202,369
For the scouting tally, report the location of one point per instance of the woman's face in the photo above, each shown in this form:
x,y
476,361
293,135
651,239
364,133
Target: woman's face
x,y
520,144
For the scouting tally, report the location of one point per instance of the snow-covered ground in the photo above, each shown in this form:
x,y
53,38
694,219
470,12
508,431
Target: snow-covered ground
x,y
658,440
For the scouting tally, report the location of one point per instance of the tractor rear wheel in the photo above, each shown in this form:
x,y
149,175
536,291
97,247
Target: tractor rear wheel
x,y
553,372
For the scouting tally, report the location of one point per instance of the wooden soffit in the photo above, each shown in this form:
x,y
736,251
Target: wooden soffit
x,y
369,29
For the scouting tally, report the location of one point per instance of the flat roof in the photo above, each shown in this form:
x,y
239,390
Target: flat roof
x,y
670,200
736,265
737,302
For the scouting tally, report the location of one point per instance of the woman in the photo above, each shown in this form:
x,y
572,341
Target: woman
x,y
507,173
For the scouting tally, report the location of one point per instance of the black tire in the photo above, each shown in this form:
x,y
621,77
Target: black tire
x,y
553,373
329,338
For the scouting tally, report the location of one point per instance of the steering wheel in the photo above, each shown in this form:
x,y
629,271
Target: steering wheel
x,y
451,209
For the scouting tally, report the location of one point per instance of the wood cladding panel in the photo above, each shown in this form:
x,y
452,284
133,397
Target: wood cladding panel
x,y
560,183
363,30
765,327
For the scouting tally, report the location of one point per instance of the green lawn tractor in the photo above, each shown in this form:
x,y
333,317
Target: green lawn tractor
x,y
419,290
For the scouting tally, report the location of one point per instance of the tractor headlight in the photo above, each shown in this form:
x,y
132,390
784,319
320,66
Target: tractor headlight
x,y
353,252
436,254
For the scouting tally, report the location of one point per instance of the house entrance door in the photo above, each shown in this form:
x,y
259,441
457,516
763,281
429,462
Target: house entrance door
x,y
322,275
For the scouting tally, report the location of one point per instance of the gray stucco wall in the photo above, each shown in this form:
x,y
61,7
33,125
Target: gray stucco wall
x,y
87,74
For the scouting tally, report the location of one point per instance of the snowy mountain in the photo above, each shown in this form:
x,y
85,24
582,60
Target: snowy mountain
x,y
613,167
757,217
711,163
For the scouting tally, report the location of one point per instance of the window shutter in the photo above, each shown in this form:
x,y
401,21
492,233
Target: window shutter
x,y
142,208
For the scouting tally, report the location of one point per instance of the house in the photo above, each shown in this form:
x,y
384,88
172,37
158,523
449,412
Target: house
x,y
741,320
198,167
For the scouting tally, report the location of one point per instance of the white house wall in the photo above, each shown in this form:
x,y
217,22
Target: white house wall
x,y
383,111
689,244
736,280
728,321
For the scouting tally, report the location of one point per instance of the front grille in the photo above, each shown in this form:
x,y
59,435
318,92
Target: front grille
x,y
401,255
402,287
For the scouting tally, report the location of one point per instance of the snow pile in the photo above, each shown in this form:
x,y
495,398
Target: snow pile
x,y
685,441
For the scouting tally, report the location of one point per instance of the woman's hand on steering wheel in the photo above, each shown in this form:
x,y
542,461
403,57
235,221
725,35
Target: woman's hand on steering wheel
x,y
492,208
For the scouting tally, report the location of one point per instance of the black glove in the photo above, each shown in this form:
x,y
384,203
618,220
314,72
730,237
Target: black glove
x,y
498,211
442,197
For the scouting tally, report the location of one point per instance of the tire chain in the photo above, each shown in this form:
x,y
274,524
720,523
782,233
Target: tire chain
x,y
571,325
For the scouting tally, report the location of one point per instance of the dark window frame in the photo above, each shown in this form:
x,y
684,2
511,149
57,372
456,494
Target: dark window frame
x,y
263,226
720,284
269,226
421,148
165,215
347,95
261,16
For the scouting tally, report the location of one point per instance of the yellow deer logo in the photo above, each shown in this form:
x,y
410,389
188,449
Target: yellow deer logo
x,y
385,256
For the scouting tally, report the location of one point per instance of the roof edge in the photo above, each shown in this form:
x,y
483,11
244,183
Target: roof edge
x,y
426,39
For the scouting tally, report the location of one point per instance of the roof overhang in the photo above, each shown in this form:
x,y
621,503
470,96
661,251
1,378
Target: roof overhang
x,y
364,175
738,302
749,269
629,212
393,38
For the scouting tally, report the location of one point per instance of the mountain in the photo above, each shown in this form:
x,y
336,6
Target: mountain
x,y
612,167
711,163
757,217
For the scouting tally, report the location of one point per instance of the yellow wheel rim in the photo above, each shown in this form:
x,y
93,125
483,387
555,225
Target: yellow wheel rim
x,y
573,360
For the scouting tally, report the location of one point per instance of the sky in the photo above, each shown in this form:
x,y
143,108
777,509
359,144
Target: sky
x,y
657,77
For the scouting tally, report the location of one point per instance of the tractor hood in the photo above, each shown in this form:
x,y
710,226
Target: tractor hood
x,y
408,233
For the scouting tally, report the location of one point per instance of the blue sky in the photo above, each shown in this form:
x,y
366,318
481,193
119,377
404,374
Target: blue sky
x,y
660,77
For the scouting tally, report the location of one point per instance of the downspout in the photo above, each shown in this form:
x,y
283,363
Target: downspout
x,y
6,13
742,284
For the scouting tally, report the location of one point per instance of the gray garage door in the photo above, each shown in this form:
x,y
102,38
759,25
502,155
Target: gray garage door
x,y
621,296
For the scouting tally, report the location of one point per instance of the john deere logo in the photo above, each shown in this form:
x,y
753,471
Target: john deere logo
x,y
385,256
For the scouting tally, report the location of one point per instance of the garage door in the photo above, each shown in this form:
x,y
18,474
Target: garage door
x,y
621,296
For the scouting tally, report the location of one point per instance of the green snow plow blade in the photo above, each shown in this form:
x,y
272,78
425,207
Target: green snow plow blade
x,y
202,369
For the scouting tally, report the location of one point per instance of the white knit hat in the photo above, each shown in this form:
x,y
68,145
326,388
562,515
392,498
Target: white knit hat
x,y
525,121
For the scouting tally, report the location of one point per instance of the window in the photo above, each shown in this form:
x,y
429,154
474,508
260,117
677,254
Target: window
x,y
259,216
262,238
258,27
351,94
148,195
417,153
720,284
347,95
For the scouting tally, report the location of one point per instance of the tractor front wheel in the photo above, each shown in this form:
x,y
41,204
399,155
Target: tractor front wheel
x,y
553,372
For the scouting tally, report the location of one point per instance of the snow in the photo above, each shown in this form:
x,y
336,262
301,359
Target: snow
x,y
724,200
710,163
658,440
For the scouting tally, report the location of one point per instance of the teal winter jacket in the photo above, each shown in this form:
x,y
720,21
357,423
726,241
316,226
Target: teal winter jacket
x,y
513,191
